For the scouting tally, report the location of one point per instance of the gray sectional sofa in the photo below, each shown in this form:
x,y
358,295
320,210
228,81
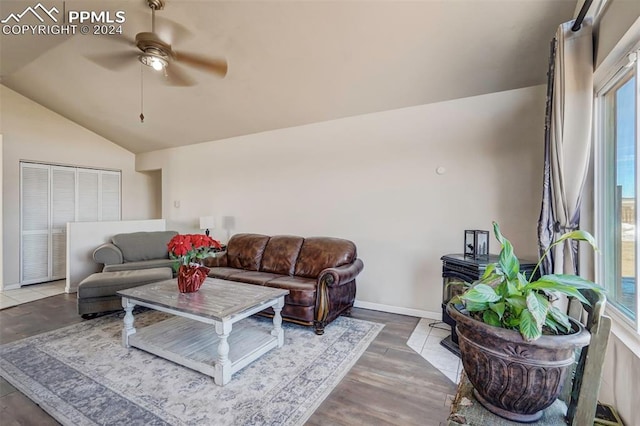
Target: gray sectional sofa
x,y
130,260
135,250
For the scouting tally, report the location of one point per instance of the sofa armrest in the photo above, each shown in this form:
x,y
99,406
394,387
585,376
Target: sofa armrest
x,y
109,254
334,277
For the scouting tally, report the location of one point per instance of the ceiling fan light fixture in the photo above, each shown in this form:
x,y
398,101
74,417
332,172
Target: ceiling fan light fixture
x,y
158,63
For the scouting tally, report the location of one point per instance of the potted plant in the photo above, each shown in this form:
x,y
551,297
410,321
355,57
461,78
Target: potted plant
x,y
516,347
188,251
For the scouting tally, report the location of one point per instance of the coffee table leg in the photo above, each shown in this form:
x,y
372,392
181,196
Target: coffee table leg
x,y
223,363
277,322
128,329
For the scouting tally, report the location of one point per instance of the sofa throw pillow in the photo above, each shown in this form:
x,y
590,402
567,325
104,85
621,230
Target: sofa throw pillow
x,y
139,246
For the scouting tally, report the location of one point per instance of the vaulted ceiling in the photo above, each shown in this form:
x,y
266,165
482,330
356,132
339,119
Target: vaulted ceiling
x,y
290,62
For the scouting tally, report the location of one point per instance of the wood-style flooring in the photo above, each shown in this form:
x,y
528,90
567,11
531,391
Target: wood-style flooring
x,y
389,385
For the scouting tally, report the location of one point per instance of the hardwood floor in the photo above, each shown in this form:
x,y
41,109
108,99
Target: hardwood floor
x,y
389,385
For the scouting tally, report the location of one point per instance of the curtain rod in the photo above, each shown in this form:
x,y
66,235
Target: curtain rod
x,y
583,11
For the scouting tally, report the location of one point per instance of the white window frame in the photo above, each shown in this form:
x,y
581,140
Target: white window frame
x,y
614,64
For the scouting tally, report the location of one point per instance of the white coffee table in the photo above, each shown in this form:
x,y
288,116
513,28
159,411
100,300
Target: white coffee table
x,y
188,339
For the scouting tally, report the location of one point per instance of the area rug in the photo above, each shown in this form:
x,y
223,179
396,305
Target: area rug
x,y
81,375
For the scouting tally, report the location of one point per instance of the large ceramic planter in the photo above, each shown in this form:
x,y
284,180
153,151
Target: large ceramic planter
x,y
513,378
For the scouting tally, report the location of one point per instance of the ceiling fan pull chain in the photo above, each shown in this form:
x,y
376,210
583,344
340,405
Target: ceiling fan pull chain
x,y
141,94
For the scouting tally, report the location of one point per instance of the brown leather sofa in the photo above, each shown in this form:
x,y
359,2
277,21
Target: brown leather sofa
x,y
319,272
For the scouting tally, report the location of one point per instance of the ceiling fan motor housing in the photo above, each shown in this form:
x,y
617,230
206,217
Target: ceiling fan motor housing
x,y
154,49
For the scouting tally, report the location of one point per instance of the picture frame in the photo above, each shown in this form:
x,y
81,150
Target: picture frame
x,y
476,243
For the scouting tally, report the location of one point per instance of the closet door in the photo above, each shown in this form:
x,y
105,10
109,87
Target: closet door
x,y
50,197
88,195
63,210
109,195
35,206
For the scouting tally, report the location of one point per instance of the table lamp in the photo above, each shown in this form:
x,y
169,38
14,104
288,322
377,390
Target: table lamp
x,y
207,222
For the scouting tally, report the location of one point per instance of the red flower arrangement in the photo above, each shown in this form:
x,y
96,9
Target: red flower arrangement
x,y
189,248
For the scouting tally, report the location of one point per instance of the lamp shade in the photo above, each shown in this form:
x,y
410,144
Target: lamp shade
x,y
207,222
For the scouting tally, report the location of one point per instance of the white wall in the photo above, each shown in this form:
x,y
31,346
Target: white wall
x,y
32,132
84,237
621,376
372,179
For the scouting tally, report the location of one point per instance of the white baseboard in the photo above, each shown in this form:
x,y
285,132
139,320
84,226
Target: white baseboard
x,y
14,286
398,310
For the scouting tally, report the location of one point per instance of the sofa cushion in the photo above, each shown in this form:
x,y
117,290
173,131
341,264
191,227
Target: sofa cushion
x,y
222,272
302,291
137,246
104,284
319,253
281,253
253,277
244,251
145,264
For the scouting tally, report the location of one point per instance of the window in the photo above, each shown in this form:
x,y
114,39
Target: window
x,y
617,120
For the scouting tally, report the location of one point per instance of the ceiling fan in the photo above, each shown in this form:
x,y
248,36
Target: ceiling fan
x,y
159,55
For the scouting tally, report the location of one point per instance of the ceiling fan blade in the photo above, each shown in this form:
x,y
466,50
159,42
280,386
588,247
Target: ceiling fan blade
x,y
175,76
171,32
167,30
214,66
114,61
119,38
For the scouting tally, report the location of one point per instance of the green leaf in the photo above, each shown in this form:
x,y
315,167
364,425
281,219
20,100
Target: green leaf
x,y
512,289
544,301
575,281
549,322
507,262
560,285
498,308
455,299
501,289
513,322
481,293
491,268
529,329
491,279
579,236
497,233
476,306
517,302
537,305
491,318
560,317
522,280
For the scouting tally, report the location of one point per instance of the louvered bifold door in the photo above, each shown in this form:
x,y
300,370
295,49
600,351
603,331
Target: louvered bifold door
x,y
34,204
88,195
110,195
63,202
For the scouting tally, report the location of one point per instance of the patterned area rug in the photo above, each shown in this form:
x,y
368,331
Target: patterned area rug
x,y
81,375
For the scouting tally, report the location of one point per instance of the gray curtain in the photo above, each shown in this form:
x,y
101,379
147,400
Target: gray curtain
x,y
567,143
